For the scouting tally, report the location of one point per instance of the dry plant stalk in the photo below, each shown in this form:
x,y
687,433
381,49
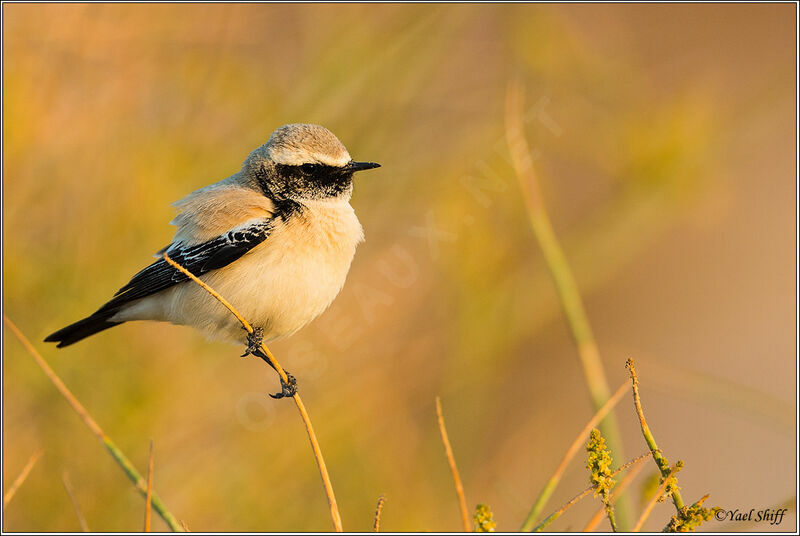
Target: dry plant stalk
x,y
462,502
74,500
654,499
323,470
23,475
376,525
550,487
112,448
555,515
661,461
618,489
558,265
149,495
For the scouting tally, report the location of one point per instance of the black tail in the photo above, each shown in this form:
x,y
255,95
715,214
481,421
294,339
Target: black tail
x,y
82,329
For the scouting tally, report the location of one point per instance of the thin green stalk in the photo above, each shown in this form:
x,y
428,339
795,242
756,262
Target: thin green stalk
x,y
661,461
116,453
564,281
611,516
148,500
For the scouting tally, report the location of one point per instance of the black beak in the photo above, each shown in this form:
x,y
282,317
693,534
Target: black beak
x,y
360,166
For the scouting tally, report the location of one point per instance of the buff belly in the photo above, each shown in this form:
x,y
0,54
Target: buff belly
x,y
280,285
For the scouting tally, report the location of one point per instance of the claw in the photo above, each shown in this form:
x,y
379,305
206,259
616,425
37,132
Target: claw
x,y
254,341
287,389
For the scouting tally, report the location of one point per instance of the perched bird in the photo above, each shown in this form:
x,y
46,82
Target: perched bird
x,y
276,239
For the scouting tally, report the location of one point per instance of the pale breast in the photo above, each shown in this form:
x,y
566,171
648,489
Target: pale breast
x,y
283,283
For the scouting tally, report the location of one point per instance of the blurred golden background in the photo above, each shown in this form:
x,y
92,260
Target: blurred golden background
x,y
664,137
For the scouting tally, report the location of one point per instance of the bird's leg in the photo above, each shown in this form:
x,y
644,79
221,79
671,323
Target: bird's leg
x,y
287,388
254,347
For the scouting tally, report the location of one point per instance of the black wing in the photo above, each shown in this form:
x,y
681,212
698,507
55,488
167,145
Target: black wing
x,y
198,259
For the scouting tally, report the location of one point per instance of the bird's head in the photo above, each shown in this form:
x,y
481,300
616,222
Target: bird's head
x,y
301,161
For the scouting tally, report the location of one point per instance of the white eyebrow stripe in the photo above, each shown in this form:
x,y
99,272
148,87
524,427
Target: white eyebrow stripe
x,y
331,160
287,157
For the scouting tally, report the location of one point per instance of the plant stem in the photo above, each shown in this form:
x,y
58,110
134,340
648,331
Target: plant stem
x,y
312,437
661,461
550,487
653,500
559,268
611,517
555,515
149,495
618,489
462,502
376,524
115,452
23,475
74,500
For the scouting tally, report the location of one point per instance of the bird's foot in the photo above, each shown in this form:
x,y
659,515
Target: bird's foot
x,y
254,339
287,388
254,342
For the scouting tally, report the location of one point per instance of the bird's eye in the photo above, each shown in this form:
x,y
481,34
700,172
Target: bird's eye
x,y
309,168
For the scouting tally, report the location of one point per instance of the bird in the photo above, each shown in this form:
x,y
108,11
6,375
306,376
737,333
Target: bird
x,y
276,239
